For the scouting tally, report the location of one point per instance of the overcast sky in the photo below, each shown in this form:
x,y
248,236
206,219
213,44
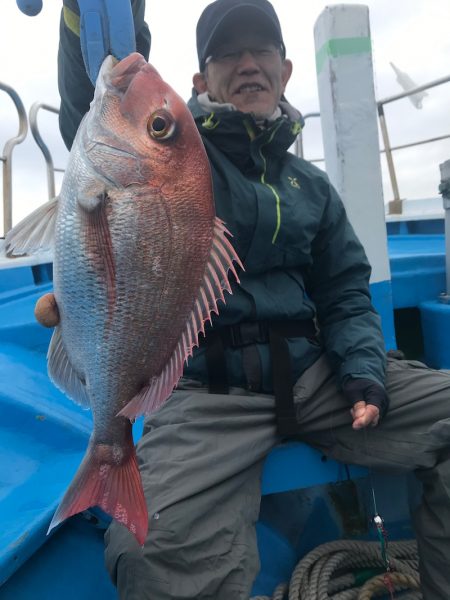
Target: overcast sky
x,y
413,34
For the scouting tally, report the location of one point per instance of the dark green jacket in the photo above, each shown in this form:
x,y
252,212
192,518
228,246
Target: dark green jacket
x,y
301,256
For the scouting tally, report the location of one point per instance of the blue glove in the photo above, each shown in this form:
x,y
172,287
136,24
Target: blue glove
x,y
106,27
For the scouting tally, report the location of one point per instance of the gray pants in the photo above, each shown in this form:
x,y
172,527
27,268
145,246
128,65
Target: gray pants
x,y
201,458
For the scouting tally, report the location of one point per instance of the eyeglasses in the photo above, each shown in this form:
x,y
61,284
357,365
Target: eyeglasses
x,y
260,54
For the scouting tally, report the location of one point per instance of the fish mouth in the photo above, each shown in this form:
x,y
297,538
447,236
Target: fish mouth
x,y
107,66
118,75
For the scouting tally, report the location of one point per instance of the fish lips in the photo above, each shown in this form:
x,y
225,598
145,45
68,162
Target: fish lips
x,y
119,75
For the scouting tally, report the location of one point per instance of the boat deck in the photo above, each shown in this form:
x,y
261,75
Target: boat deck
x,y
43,435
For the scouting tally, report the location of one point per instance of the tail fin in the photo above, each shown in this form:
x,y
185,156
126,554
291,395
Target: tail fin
x,y
113,485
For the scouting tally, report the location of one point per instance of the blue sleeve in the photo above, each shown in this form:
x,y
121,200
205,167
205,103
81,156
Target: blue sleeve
x,y
75,88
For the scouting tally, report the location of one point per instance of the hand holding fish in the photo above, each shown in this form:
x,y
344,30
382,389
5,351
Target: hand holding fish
x,y
106,27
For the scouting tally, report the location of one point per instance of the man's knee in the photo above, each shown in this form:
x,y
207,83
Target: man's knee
x,y
126,565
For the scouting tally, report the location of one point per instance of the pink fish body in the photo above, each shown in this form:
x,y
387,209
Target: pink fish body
x,y
140,263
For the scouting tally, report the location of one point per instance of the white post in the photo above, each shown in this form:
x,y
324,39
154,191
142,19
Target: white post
x,y
350,137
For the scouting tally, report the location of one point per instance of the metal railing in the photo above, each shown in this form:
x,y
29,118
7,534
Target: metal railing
x,y
395,206
299,151
51,170
6,157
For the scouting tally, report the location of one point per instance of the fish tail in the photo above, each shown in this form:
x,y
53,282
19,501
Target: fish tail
x,y
109,478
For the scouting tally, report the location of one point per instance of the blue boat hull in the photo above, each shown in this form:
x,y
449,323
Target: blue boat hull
x,y
43,436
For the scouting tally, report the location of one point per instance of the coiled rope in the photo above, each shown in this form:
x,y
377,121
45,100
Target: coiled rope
x,y
352,570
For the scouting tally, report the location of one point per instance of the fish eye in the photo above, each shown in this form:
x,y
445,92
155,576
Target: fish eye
x,y
161,125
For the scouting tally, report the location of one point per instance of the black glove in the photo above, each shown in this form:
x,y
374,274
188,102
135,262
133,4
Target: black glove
x,y
366,390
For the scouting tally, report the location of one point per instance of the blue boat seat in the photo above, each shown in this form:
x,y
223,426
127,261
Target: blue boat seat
x,y
295,465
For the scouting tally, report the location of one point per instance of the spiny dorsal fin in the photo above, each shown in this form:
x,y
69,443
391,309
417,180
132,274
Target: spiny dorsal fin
x,y
62,373
35,232
215,281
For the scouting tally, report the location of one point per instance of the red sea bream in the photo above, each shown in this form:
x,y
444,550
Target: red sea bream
x,y
140,261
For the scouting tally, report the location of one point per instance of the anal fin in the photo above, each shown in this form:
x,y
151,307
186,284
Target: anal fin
x,y
62,373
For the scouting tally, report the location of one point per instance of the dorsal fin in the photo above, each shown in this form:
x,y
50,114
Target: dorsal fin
x,y
215,281
35,232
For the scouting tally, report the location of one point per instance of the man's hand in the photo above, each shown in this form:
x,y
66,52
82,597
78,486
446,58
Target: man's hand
x,y
364,414
369,399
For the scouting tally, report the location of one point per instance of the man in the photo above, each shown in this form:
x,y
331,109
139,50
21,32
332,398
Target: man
x,y
263,372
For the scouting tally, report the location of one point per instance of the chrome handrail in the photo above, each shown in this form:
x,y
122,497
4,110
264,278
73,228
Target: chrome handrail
x,y
299,138
395,205
6,157
35,108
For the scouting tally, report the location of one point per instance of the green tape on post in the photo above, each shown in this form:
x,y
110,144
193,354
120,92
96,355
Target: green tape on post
x,y
342,47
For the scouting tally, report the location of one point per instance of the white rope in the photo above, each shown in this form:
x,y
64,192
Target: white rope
x,y
279,593
328,572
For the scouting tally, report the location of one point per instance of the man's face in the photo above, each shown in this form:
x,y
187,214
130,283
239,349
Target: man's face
x,y
247,70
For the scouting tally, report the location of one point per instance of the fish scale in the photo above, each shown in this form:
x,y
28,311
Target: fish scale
x,y
140,263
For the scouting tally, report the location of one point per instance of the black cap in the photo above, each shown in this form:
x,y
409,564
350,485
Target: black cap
x,y
218,16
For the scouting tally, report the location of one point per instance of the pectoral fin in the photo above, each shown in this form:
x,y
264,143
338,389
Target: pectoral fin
x,y
34,233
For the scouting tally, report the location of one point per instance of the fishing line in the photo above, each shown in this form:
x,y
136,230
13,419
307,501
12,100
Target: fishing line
x,y
378,521
353,568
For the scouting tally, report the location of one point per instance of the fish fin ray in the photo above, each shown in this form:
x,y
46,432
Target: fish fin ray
x,y
35,232
215,281
222,257
62,373
115,488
